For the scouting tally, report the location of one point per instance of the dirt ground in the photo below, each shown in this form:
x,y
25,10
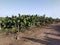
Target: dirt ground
x,y
47,35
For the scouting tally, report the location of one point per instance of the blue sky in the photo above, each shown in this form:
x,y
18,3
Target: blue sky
x,y
40,7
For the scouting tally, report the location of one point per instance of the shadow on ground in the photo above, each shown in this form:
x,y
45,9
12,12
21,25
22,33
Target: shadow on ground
x,y
54,41
37,40
56,28
48,40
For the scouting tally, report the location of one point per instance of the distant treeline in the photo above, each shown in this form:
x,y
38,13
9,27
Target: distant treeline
x,y
22,22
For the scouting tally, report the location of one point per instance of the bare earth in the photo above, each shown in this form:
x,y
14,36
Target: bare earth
x,y
48,35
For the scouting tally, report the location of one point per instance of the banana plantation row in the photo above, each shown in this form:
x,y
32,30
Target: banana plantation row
x,y
22,22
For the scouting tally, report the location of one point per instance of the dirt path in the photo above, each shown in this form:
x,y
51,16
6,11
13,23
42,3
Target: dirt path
x,y
38,36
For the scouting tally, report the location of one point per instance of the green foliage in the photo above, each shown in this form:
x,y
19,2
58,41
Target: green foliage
x,y
23,22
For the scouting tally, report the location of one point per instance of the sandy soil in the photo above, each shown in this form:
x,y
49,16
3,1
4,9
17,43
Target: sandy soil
x,y
48,35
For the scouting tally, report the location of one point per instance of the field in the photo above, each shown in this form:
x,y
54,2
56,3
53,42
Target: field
x,y
29,22
46,35
29,30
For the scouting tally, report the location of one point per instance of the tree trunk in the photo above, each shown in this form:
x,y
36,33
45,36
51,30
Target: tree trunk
x,y
0,26
18,28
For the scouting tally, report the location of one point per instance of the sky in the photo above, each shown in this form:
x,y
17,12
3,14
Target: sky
x,y
13,7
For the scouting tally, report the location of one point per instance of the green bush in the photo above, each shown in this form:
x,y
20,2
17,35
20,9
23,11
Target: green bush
x,y
19,23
